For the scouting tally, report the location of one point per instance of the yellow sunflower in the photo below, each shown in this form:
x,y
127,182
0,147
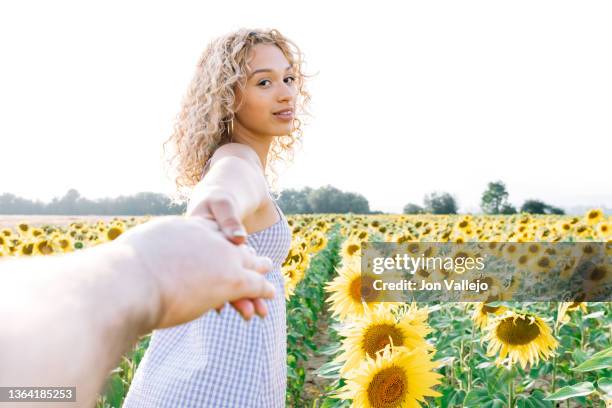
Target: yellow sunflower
x,y
593,216
293,275
397,377
114,231
597,279
604,230
483,310
376,329
43,247
351,248
566,307
317,241
541,264
346,290
23,229
521,337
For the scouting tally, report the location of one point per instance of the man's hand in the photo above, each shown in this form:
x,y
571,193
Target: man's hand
x,y
194,268
216,203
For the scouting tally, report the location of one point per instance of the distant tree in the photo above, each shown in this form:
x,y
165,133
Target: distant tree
x,y
508,209
534,207
293,201
355,203
73,204
329,199
556,210
540,207
494,198
411,208
440,203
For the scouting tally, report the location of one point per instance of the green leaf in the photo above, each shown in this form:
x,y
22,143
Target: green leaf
x,y
534,400
115,391
595,363
603,353
594,315
576,390
480,397
605,384
451,397
330,349
329,370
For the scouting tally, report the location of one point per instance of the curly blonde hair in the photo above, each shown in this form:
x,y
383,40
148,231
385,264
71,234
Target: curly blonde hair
x,y
203,123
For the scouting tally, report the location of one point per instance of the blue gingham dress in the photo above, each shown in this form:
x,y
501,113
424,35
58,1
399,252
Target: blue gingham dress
x,y
222,360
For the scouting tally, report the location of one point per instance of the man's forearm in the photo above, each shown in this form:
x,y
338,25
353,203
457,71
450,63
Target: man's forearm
x,y
54,312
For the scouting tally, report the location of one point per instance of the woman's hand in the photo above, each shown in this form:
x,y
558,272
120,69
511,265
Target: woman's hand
x,y
216,203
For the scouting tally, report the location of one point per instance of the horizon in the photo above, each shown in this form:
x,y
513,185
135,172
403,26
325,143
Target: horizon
x,y
572,210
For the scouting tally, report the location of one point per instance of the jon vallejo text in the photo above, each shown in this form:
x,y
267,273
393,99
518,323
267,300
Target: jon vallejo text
x,y
446,284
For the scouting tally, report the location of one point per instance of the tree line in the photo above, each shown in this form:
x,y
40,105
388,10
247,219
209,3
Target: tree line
x,y
323,200
72,203
494,200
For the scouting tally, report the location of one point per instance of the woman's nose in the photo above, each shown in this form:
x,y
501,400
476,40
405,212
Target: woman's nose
x,y
285,93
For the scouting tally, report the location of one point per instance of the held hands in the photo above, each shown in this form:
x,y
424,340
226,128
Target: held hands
x,y
194,268
217,204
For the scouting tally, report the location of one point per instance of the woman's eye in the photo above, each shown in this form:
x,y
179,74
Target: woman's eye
x,y
263,82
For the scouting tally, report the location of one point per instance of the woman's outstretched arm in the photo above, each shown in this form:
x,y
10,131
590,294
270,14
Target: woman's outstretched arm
x,y
234,180
233,188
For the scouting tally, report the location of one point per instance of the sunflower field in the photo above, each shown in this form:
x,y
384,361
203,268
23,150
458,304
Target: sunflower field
x,y
345,352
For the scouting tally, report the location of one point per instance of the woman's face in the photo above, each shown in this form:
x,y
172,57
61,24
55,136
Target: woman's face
x,y
270,89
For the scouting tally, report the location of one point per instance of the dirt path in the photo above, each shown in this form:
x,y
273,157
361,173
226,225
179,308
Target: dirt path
x,y
314,386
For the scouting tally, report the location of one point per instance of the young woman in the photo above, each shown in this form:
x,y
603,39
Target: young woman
x,y
239,116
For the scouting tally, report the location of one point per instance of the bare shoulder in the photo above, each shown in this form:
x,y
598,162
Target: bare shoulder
x,y
238,150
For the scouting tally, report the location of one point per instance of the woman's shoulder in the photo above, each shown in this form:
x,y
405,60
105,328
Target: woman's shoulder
x,y
239,150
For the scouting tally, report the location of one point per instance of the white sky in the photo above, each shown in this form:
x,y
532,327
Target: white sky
x,y
411,97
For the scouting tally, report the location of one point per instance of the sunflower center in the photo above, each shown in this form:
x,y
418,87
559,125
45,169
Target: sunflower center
x,y
517,333
413,248
355,289
352,249
388,388
360,283
544,262
376,338
113,233
367,288
598,273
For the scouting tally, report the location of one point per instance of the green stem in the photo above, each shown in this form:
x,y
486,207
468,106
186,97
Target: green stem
x,y
469,367
461,369
556,335
554,374
511,392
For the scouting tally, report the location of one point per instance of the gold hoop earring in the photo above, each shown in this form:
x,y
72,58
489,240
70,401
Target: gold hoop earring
x,y
230,130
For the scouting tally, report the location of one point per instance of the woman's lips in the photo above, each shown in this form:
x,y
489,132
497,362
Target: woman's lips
x,y
284,116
